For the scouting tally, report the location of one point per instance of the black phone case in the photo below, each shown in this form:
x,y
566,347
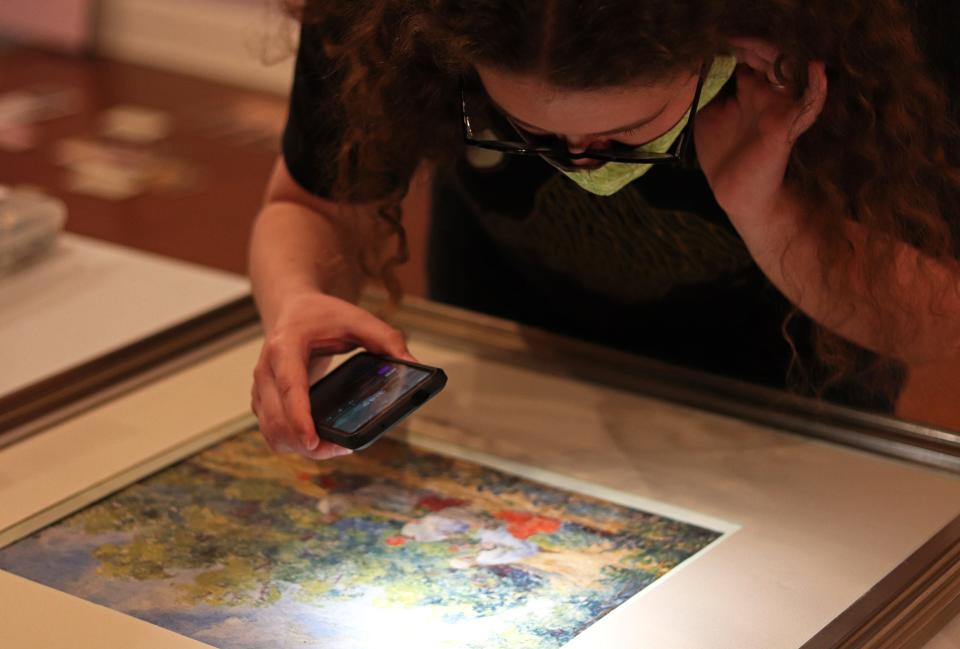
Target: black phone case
x,y
373,429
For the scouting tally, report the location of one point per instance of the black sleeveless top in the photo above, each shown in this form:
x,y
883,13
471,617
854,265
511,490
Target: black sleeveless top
x,y
656,268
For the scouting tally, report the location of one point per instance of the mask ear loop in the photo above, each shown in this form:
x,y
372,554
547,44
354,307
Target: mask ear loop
x,y
687,160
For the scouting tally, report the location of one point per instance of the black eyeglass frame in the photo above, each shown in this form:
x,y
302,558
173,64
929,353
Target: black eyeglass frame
x,y
562,155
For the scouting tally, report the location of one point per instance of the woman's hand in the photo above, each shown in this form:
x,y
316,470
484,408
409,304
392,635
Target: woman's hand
x,y
308,325
744,141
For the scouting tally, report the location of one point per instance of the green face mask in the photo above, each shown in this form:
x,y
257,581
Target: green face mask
x,y
614,176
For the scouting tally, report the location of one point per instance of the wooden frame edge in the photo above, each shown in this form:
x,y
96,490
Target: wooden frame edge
x,y
125,478
906,607
41,404
549,352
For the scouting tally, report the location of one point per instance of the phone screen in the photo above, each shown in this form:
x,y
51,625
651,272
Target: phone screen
x,y
360,389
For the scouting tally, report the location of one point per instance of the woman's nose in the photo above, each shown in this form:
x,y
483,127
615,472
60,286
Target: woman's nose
x,y
581,144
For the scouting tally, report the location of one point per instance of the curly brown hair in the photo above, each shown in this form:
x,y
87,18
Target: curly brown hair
x,y
880,153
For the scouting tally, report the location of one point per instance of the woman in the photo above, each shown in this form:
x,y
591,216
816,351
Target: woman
x,y
805,240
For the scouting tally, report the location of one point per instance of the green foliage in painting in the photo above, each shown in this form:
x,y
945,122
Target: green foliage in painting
x,y
239,528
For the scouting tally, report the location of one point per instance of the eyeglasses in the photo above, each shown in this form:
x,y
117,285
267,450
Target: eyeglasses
x,y
551,148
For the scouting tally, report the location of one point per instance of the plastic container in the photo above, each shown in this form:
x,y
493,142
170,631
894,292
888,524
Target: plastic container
x,y
29,223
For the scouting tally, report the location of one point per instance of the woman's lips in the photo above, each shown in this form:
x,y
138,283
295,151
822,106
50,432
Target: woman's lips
x,y
586,164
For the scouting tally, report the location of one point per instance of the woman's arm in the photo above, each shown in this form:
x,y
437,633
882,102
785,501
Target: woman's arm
x,y
302,243
787,252
744,144
305,270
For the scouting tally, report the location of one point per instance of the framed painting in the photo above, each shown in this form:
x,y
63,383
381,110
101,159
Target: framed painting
x,y
542,498
400,545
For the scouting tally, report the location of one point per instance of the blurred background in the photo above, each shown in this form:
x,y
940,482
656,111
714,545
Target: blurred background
x,y
158,122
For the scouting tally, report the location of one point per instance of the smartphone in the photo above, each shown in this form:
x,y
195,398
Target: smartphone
x,y
367,394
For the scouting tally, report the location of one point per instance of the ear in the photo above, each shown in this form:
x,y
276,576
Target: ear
x,y
811,103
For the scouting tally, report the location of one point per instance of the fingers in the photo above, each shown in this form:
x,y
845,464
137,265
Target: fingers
x,y
280,394
282,433
326,451
273,421
255,399
288,364
376,335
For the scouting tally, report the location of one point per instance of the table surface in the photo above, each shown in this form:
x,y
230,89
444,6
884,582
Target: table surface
x,y
208,223
88,298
